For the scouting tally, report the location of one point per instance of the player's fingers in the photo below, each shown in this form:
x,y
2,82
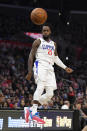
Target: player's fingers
x,y
70,70
27,77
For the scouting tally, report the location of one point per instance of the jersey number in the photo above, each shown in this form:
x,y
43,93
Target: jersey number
x,y
50,52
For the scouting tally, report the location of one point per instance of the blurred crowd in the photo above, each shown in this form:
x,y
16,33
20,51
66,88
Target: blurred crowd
x,y
13,86
16,92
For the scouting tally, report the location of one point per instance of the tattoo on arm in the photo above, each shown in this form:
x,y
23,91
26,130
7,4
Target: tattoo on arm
x,y
32,54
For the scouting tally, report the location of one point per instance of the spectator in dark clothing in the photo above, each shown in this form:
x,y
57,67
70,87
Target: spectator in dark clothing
x,y
71,95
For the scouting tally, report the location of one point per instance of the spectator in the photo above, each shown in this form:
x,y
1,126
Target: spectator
x,y
82,116
22,103
71,95
66,105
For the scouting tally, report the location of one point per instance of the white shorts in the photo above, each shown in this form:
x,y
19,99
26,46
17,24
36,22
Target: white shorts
x,y
45,72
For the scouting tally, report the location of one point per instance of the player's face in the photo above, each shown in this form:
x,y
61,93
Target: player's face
x,y
46,32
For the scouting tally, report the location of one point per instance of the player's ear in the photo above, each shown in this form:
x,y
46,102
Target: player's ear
x,y
50,31
42,30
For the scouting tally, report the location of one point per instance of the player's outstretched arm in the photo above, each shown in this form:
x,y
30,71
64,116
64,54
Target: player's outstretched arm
x,y
60,63
35,45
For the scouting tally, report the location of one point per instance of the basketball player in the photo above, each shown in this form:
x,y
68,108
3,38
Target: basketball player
x,y
45,52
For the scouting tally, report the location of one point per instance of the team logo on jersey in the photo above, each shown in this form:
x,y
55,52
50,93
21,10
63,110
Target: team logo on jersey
x,y
49,47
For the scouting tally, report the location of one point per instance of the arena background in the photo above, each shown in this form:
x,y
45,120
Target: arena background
x,y
69,30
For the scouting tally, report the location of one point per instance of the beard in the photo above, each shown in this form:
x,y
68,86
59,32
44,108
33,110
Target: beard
x,y
46,37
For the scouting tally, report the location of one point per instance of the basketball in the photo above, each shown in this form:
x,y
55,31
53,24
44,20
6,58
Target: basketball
x,y
38,16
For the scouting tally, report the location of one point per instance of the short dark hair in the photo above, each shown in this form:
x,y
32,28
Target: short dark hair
x,y
47,24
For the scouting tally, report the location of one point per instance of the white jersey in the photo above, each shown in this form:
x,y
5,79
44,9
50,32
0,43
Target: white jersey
x,y
43,69
45,52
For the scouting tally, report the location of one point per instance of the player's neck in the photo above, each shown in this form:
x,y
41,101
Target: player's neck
x,y
46,39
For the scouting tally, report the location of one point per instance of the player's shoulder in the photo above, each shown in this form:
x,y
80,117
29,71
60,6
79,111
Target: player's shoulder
x,y
41,39
36,43
53,42
37,40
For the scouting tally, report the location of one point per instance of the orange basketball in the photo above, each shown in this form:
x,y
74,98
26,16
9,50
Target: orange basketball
x,y
38,16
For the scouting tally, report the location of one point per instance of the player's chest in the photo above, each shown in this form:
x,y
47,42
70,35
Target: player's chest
x,y
48,48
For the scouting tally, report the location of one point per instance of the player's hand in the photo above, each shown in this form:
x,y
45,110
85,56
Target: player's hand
x,y
68,70
28,76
